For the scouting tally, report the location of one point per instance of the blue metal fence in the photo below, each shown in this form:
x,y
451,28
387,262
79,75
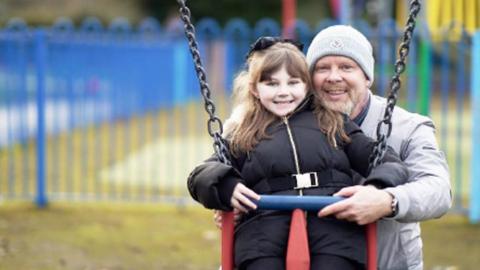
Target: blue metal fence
x,y
114,112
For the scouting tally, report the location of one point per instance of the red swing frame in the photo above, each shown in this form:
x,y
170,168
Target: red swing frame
x,y
228,239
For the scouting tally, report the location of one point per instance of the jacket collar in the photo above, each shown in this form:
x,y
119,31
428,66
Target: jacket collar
x,y
374,114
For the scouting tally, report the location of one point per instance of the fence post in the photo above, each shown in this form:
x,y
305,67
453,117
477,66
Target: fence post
x,y
40,64
425,76
475,160
180,58
345,12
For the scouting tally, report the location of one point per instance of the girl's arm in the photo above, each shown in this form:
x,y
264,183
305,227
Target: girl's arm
x,y
219,186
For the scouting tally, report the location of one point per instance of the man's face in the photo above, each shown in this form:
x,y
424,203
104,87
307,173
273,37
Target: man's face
x,y
340,83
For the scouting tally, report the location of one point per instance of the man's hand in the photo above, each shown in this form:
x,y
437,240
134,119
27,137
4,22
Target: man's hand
x,y
217,217
365,204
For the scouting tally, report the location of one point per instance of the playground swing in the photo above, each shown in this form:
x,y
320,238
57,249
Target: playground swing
x,y
215,129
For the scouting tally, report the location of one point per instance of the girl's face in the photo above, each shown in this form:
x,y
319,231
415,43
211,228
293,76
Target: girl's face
x,y
281,93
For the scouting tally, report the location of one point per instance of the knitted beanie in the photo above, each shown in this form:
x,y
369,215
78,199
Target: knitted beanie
x,y
342,40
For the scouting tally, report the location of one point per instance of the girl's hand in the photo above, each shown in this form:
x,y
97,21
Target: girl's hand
x,y
242,198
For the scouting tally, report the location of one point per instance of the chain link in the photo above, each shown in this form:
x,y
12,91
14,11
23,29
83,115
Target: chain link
x,y
214,124
384,127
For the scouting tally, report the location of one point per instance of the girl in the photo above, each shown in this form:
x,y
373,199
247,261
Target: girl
x,y
280,134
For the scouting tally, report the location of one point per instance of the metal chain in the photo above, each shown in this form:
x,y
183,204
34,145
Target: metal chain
x,y
214,124
384,127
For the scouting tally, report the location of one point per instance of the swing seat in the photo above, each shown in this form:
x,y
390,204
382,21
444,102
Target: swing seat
x,y
295,204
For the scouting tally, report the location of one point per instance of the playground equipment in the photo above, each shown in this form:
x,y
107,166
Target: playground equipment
x,y
309,203
215,129
442,14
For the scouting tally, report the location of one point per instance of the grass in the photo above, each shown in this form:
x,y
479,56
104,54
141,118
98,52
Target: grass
x,y
139,236
451,242
92,236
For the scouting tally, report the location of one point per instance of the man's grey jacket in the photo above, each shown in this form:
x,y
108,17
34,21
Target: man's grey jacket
x,y
427,194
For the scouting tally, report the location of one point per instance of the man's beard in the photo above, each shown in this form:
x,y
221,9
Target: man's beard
x,y
344,106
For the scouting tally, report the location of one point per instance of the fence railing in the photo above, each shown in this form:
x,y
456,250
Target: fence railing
x,y
113,112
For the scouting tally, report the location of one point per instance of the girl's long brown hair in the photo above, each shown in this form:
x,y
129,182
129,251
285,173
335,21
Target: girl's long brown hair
x,y
249,120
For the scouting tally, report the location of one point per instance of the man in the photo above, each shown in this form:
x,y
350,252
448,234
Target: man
x,y
341,64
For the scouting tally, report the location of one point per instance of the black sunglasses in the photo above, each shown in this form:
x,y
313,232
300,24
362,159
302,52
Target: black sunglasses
x,y
263,43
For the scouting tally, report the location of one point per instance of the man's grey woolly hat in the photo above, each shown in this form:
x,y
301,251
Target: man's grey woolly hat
x,y
342,40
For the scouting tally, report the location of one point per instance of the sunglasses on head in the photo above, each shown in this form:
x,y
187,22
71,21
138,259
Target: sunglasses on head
x,y
263,43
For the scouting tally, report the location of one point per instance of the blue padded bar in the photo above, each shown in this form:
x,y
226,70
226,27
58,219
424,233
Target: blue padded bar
x,y
285,202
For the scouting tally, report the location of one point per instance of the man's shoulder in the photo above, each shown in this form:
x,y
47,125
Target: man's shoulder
x,y
400,117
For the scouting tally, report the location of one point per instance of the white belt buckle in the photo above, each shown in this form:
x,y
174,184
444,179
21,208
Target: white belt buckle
x,y
306,180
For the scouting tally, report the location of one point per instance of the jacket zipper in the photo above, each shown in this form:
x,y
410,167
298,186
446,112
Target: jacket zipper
x,y
294,148
292,142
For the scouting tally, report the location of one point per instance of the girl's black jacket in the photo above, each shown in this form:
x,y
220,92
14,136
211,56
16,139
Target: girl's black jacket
x,y
268,169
